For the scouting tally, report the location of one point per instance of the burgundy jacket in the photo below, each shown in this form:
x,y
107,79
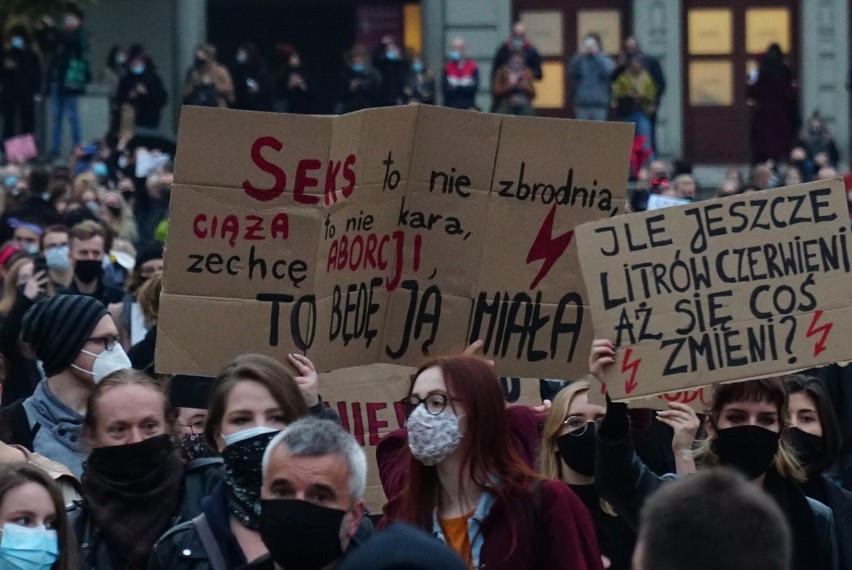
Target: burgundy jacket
x,y
561,538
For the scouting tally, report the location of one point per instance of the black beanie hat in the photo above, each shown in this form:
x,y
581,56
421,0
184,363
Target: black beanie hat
x,y
147,253
190,391
57,328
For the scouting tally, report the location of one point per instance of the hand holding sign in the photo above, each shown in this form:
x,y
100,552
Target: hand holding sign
x,y
307,380
601,356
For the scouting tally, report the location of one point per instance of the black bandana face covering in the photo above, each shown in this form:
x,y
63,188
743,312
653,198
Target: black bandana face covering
x,y
193,446
244,477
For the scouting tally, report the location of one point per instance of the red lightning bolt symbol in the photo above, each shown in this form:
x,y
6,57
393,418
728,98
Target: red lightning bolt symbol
x,y
813,330
547,247
633,367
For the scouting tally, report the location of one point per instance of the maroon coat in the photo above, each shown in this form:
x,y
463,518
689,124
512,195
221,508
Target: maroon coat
x,y
563,536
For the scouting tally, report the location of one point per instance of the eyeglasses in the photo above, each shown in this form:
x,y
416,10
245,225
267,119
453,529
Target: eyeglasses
x,y
197,426
108,341
434,403
577,425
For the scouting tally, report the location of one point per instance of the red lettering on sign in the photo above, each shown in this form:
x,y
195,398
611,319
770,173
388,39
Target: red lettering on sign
x,y
266,194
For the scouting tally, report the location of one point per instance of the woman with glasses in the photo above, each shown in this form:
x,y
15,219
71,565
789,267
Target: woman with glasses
x,y
251,400
190,396
567,454
468,486
135,486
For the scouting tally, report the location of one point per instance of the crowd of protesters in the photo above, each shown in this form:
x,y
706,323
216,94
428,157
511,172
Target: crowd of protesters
x,y
106,464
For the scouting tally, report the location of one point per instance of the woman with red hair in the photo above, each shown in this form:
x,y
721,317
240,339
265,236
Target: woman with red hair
x,y
468,486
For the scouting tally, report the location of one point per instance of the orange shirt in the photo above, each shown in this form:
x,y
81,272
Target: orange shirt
x,y
455,531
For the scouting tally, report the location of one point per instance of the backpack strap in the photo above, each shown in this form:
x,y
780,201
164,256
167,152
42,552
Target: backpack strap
x,y
18,425
211,547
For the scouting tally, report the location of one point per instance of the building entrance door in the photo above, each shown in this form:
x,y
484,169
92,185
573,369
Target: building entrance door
x,y
722,43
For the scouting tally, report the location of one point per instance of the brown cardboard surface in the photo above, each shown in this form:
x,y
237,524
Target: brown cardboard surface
x,y
409,232
722,290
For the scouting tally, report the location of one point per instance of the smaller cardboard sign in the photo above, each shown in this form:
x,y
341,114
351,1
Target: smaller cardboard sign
x,y
21,148
722,290
657,202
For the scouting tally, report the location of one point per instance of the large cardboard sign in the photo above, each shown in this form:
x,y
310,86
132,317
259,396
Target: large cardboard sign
x,y
384,236
722,290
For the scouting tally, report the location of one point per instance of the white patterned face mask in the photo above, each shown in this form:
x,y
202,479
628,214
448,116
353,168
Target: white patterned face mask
x,y
432,438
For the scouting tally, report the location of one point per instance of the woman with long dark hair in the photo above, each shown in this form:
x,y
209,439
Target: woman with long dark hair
x,y
252,399
815,434
468,486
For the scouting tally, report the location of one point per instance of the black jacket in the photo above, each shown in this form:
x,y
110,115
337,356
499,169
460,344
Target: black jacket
x,y
625,482
20,76
148,105
94,551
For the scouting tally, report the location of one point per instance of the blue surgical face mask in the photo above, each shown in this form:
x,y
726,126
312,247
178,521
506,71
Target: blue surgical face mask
x,y
56,257
100,169
417,66
455,55
31,248
241,57
137,69
245,434
120,58
11,180
392,55
358,67
28,548
18,42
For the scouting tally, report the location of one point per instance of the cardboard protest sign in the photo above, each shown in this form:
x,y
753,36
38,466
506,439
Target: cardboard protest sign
x,y
384,236
367,400
728,289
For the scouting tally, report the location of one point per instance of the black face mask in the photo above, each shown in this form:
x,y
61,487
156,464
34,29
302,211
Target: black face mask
x,y
809,448
244,477
88,270
299,534
132,462
578,451
750,449
200,62
115,211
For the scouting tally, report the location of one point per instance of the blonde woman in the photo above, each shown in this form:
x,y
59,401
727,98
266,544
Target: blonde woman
x,y
567,453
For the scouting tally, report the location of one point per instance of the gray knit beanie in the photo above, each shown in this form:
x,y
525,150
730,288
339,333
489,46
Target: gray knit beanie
x,y
57,328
